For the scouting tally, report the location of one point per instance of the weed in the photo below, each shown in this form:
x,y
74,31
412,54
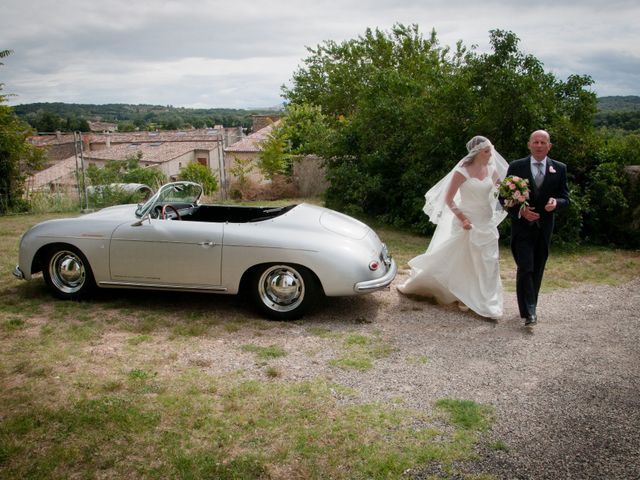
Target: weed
x,y
360,351
138,339
13,324
500,446
273,372
265,353
191,330
418,360
467,414
137,374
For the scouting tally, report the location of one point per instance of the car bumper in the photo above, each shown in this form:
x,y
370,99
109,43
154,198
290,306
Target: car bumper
x,y
18,273
378,283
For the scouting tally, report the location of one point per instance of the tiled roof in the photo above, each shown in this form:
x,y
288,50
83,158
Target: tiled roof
x,y
201,135
48,140
102,126
157,152
61,172
252,142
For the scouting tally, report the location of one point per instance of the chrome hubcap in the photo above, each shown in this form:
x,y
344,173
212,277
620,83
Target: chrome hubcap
x,y
281,288
67,271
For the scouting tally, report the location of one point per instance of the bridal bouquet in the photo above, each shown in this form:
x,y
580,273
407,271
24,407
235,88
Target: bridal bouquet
x,y
514,191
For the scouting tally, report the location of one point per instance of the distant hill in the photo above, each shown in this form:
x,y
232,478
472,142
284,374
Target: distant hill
x,y
618,113
621,112
630,103
48,117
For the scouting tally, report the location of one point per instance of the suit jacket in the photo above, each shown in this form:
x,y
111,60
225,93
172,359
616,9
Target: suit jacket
x,y
554,185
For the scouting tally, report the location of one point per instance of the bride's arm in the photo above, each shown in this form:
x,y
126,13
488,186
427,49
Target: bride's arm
x,y
457,180
495,177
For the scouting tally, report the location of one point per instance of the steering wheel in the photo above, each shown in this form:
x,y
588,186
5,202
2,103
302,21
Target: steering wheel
x,y
167,207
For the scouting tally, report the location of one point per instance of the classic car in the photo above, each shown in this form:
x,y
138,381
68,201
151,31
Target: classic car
x,y
284,258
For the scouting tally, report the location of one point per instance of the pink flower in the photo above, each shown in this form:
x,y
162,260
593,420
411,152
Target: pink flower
x,y
514,191
551,169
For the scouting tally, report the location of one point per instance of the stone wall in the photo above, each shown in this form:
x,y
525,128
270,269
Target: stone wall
x,y
633,171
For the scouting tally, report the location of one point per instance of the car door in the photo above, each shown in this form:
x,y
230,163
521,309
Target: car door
x,y
167,253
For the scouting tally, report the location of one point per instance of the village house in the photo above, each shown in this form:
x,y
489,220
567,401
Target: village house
x,y
217,148
168,151
102,126
248,150
308,172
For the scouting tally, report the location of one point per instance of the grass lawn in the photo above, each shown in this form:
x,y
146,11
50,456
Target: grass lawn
x,y
115,387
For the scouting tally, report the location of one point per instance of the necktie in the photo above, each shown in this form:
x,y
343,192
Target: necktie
x,y
539,175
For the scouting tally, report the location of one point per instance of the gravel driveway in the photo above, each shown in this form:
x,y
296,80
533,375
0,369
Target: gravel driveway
x,y
566,393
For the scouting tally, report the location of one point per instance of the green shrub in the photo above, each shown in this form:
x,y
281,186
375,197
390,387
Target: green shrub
x,y
195,172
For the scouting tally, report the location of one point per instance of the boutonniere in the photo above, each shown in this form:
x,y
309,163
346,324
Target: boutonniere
x,y
551,169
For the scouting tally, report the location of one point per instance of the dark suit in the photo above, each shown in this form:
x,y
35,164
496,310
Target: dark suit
x,y
530,240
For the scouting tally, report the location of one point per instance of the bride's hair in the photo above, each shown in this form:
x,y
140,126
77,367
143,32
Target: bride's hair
x,y
474,146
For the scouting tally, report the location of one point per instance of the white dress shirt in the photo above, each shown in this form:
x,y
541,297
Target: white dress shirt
x,y
534,169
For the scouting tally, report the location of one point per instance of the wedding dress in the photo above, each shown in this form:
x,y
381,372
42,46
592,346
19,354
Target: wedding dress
x,y
463,265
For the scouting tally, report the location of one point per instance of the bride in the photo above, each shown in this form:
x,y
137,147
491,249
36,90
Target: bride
x,y
461,262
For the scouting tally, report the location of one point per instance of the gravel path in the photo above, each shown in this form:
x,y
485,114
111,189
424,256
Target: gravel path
x,y
566,393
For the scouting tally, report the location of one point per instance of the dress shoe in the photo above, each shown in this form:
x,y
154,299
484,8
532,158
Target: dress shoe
x,y
530,320
462,307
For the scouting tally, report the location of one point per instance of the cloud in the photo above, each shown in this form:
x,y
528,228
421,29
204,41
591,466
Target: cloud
x,y
189,53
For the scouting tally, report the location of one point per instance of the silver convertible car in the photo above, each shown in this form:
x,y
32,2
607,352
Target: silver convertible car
x,y
284,258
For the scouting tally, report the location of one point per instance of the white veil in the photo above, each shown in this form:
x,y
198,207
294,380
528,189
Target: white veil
x,y
436,207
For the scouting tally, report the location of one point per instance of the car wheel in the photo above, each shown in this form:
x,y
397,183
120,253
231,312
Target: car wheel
x,y
283,292
67,273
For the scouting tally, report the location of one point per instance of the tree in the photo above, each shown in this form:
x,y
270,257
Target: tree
x,y
240,170
306,129
126,171
388,99
18,157
400,109
136,173
275,155
196,172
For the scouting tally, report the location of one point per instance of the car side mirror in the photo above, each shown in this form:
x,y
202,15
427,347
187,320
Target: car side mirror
x,y
145,217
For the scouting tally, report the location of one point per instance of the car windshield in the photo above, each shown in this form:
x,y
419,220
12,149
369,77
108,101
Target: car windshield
x,y
179,193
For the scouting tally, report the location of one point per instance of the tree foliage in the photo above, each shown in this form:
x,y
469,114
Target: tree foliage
x,y
399,107
196,172
126,171
18,157
275,154
49,117
48,122
303,130
304,127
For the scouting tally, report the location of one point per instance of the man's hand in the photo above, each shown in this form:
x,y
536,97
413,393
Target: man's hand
x,y
530,214
551,205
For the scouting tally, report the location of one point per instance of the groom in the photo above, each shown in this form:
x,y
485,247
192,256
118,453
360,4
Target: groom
x,y
532,226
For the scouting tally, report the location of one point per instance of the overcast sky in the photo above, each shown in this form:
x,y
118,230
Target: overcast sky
x,y
226,54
